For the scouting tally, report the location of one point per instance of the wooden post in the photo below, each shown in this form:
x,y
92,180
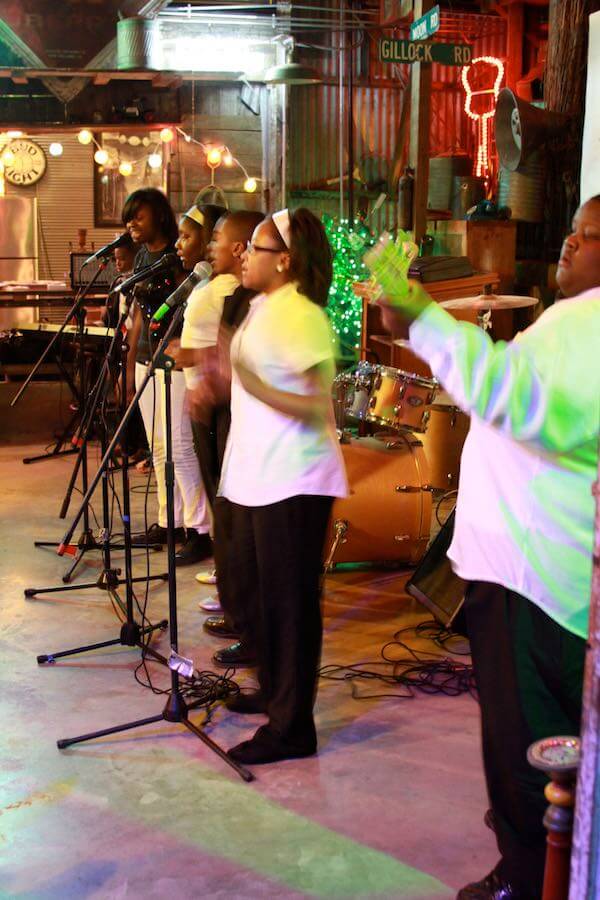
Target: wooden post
x,y
420,123
585,863
559,758
514,44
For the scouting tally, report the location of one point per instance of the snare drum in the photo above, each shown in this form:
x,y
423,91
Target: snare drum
x,y
400,400
388,513
352,391
443,443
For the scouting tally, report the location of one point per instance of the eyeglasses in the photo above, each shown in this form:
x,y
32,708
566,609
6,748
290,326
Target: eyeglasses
x,y
253,248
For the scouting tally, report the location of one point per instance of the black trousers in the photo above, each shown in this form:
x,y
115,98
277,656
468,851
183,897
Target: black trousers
x,y
529,674
209,443
276,565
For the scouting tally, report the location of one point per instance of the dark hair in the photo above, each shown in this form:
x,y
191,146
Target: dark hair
x,y
311,259
242,223
127,243
164,216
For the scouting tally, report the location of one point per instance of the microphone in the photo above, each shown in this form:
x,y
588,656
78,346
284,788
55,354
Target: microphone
x,y
168,261
200,275
103,252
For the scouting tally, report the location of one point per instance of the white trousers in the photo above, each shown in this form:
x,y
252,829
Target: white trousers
x,y
191,505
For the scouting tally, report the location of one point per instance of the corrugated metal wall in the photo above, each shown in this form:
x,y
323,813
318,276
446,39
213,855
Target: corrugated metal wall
x,y
378,98
65,197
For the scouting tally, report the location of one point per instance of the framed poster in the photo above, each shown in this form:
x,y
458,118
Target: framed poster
x,y
134,160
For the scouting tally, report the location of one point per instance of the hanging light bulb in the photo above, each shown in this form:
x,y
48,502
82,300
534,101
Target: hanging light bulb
x,y
155,160
55,149
167,135
250,185
85,136
101,157
125,168
8,157
227,158
213,157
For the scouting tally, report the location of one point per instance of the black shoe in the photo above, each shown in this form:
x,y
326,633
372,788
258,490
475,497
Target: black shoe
x,y
196,548
236,655
493,887
156,534
219,627
247,704
265,748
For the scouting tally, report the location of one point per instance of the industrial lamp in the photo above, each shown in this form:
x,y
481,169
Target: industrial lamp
x,y
290,72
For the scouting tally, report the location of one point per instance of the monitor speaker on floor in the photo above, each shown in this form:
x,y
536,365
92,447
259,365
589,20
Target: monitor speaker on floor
x,y
436,586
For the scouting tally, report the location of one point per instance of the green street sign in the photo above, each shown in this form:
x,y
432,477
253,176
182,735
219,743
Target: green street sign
x,y
397,51
425,26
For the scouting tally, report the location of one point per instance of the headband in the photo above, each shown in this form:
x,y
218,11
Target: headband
x,y
195,214
281,221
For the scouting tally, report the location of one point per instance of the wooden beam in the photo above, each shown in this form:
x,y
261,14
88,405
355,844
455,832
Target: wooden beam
x,y
166,80
102,78
19,79
420,116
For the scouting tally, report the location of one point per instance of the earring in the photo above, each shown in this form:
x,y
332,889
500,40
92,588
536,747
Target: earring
x,y
279,267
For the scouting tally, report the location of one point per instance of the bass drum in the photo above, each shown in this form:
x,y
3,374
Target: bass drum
x,y
388,513
443,442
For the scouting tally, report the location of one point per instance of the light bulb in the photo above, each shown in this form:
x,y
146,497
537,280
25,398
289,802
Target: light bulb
x,y
135,141
85,136
101,157
228,158
166,135
14,134
55,149
145,141
125,168
213,157
155,160
122,138
8,157
250,185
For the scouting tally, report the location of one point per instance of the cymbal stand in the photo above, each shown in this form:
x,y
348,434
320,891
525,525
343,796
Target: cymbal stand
x,y
176,709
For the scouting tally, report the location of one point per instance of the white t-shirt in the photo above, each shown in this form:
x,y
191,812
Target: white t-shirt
x,y
202,318
271,456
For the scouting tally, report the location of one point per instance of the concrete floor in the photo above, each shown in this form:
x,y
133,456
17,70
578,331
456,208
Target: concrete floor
x,y
390,808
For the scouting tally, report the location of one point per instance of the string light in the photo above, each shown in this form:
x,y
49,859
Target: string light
x,y
155,160
227,158
125,168
167,135
213,157
250,185
101,157
85,137
483,119
55,149
8,157
14,134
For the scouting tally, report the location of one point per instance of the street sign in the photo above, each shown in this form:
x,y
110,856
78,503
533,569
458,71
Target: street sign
x,y
400,51
425,26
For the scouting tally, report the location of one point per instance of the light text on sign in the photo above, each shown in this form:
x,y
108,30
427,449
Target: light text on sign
x,y
402,51
425,26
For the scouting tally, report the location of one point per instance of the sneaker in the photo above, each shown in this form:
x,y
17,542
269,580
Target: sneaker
x,y
207,576
210,604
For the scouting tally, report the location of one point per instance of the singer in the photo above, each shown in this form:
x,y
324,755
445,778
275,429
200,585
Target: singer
x,y
283,466
148,217
524,528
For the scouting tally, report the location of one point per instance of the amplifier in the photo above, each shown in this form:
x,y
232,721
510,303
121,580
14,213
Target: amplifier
x,y
80,279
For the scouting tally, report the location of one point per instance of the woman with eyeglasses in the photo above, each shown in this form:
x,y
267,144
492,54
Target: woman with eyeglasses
x,y
148,217
282,469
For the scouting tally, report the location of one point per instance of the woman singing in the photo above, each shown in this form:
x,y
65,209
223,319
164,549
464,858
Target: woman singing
x,y
282,468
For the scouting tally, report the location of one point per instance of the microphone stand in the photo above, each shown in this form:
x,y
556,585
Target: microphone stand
x,y
176,709
78,311
108,578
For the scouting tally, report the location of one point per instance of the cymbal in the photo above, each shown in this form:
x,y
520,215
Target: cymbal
x,y
490,301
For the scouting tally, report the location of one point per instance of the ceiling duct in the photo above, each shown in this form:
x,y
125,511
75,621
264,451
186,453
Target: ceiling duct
x,y
139,44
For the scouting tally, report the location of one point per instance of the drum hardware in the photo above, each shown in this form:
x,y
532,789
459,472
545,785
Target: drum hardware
x,y
411,489
340,530
401,537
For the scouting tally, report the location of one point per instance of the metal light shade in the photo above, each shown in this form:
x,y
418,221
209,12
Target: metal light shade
x,y
291,73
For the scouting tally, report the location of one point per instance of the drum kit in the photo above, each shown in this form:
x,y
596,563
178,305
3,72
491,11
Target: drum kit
x,y
414,449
